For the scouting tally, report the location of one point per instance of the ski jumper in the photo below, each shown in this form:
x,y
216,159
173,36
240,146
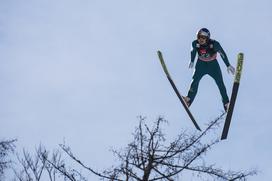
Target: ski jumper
x,y
208,64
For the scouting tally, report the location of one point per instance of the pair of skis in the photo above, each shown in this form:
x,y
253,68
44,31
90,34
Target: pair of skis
x,y
232,100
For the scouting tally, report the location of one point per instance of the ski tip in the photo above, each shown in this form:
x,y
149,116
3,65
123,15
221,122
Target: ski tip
x,y
241,56
159,53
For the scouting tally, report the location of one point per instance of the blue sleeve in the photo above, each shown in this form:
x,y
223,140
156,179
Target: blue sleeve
x,y
222,53
193,51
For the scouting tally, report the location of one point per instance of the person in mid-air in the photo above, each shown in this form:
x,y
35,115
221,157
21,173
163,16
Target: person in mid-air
x,y
207,63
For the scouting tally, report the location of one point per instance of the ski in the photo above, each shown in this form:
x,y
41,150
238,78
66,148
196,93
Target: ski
x,y
176,90
235,88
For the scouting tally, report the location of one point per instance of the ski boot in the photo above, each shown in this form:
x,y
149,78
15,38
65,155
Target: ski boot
x,y
187,100
226,107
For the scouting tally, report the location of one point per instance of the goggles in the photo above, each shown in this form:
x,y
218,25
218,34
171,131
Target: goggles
x,y
202,37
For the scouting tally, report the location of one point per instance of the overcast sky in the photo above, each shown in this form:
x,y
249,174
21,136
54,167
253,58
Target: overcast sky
x,y
83,70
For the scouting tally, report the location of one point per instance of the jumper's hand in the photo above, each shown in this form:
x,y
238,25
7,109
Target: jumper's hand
x,y
231,69
191,65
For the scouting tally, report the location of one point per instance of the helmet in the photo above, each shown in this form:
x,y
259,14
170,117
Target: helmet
x,y
204,32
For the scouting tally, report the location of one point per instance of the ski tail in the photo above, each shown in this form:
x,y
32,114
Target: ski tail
x,y
176,90
233,95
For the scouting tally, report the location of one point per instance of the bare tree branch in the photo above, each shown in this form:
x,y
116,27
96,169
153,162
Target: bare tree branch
x,y
148,158
6,147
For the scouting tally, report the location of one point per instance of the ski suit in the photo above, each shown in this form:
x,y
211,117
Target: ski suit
x,y
208,64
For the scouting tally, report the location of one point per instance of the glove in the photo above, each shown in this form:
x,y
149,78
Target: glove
x,y
191,65
231,69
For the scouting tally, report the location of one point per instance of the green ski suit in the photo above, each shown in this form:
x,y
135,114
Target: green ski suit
x,y
208,64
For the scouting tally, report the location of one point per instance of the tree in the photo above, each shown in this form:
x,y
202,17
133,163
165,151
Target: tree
x,y
6,147
40,166
149,158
